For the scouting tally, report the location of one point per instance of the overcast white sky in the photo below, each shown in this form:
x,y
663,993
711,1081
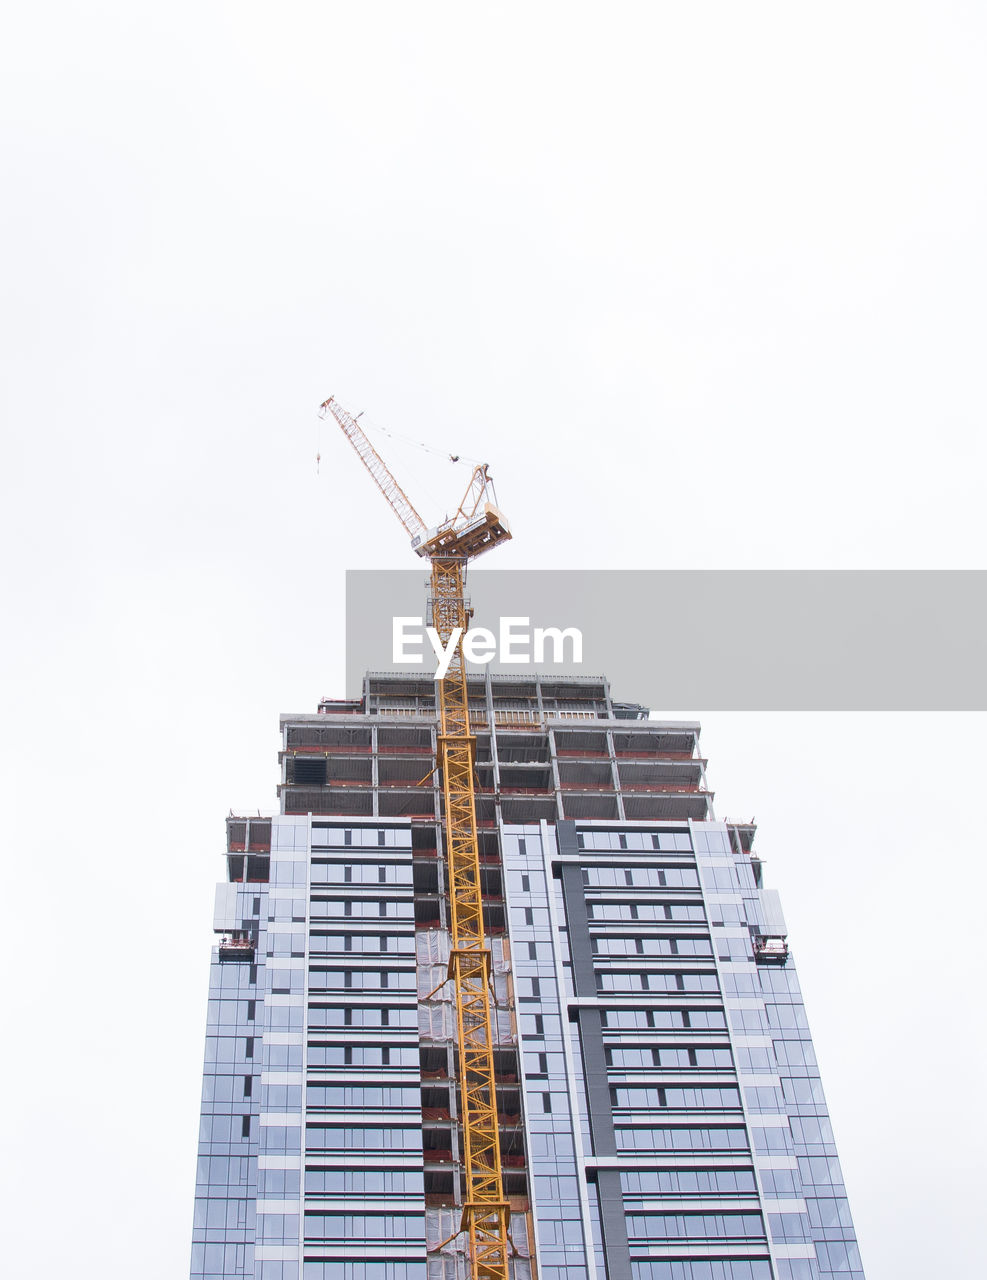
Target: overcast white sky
x,y
704,282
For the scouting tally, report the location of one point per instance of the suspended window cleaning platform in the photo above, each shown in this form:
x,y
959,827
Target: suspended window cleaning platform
x,y
770,950
241,949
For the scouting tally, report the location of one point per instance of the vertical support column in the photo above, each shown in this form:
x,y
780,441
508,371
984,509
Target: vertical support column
x,y
494,754
615,775
374,771
556,781
703,783
488,699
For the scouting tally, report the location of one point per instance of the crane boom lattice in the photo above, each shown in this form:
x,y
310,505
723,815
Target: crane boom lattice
x,y
477,526
399,501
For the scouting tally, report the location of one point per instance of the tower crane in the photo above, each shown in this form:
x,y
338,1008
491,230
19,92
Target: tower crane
x,y
476,527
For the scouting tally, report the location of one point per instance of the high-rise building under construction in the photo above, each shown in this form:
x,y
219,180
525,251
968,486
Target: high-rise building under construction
x,y
659,1110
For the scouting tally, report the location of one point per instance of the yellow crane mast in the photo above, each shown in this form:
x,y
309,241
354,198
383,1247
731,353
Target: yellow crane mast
x,y
476,527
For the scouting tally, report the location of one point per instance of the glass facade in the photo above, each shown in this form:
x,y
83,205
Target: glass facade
x,y
661,1114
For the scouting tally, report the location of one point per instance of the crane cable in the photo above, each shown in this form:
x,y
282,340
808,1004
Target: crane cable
x,y
459,458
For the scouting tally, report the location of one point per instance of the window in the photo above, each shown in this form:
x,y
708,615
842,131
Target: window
x,y
803,1091
713,1269
836,1256
709,1226
820,1171
788,1226
812,1131
680,1138
795,1052
688,1182
770,1139
830,1212
645,1098
779,1184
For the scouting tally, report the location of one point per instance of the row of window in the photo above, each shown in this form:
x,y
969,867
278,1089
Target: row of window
x,y
728,913
798,1053
362,873
764,1099
668,1056
230,1013
707,1226
359,1016
363,979
671,841
728,879
811,1131
230,980
673,1019
704,1096
366,1137
672,1182
218,1260
281,1097
650,911
365,1226
707,1269
361,837
277,1228
364,1182
618,981
358,908
364,1269
364,943
789,1227
830,1211
683,1138
228,1171
224,1215
226,1088
278,1184
357,1055
224,1128
819,1171
293,873
630,945
641,877
362,1096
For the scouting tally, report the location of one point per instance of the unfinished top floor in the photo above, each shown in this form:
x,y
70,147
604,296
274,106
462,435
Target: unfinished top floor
x,y
535,698
542,696
545,749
